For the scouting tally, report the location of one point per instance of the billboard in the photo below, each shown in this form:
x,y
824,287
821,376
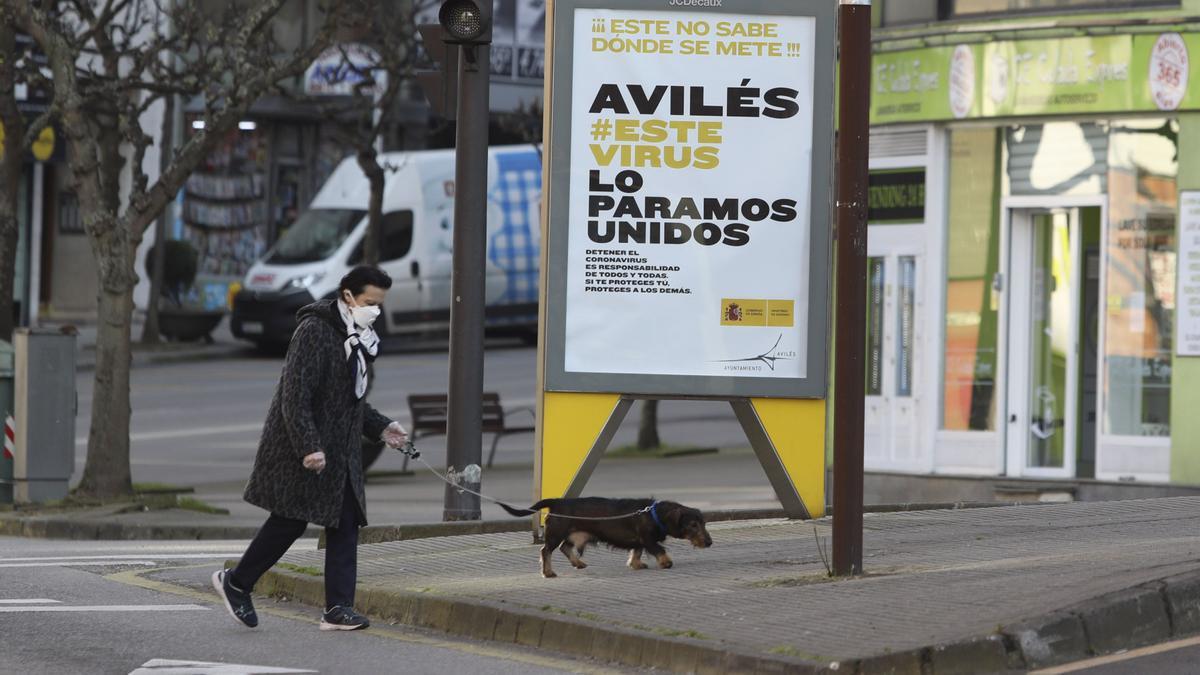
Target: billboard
x,y
689,213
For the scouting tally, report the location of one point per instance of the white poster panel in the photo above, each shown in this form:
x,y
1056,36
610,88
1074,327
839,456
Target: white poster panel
x,y
1187,313
689,206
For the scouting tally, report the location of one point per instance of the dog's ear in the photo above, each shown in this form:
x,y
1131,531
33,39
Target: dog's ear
x,y
673,517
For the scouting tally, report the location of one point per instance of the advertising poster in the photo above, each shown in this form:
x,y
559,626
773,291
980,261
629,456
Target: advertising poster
x,y
690,194
518,36
1187,312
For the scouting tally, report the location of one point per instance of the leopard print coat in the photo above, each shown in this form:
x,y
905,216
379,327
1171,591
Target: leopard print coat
x,y
313,409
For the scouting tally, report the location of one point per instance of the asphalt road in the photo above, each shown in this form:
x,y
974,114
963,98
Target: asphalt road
x,y
136,607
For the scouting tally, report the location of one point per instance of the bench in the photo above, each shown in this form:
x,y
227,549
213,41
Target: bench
x,y
429,418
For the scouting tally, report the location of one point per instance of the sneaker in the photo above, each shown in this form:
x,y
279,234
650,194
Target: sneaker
x,y
343,618
236,600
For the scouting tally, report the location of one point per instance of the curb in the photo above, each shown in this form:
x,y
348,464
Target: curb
x,y
143,359
83,528
379,534
1151,613
65,528
494,621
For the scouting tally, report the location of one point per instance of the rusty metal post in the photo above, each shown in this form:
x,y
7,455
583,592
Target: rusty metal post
x,y
854,98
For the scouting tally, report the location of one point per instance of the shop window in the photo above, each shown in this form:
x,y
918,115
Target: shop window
x,y
875,289
969,397
69,221
906,291
900,12
1057,159
1139,295
959,8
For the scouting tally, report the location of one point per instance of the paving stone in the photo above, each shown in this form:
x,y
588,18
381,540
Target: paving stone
x,y
933,578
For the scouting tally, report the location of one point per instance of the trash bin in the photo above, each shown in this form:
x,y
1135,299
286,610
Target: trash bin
x,y
6,412
44,407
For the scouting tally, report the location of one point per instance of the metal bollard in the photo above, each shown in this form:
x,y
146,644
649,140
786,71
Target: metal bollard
x,y
45,414
6,412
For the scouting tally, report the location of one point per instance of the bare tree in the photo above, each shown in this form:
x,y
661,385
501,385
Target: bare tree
x,y
108,70
370,110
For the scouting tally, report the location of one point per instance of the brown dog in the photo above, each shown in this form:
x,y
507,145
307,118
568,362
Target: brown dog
x,y
634,525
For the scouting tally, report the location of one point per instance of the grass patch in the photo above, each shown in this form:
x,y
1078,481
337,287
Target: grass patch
x,y
665,632
788,650
819,578
160,487
671,632
792,582
586,615
661,452
300,569
193,504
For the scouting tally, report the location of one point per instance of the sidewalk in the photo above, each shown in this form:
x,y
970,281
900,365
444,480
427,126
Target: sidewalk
x,y
224,345
979,590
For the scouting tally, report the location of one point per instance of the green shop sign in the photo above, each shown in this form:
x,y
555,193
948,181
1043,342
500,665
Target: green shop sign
x,y
1115,73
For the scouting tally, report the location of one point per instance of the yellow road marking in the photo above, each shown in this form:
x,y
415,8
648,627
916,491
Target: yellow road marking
x,y
1118,658
390,632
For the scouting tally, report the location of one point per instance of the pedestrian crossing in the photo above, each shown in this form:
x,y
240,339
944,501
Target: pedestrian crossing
x,y
145,559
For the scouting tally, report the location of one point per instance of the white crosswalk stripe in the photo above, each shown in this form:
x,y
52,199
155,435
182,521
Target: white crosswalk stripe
x,y
173,667
65,559
82,563
104,608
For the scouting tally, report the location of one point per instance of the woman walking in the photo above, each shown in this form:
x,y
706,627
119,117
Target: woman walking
x,y
309,463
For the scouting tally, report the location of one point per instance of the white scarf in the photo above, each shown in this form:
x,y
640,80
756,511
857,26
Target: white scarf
x,y
360,342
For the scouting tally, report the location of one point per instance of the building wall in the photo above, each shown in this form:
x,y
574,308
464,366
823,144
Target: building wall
x,y
1185,394
1135,193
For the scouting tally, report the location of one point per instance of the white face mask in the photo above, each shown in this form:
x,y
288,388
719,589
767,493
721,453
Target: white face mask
x,y
364,316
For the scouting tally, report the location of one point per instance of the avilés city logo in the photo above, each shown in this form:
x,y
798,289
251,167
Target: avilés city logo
x,y
767,358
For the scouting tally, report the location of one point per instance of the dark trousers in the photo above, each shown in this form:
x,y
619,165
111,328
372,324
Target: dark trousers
x,y
278,534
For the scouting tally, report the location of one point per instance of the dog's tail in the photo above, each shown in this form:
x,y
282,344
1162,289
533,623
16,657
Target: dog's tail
x,y
543,504
516,512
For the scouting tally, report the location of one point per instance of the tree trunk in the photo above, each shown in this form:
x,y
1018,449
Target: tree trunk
x,y
368,161
96,164
8,258
647,438
106,474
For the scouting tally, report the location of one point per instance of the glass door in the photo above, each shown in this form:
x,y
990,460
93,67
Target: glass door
x,y
893,353
1043,342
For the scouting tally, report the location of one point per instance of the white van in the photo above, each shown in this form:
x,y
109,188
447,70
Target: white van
x,y
311,257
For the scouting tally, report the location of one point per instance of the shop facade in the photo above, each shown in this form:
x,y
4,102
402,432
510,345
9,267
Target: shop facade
x,y
1032,275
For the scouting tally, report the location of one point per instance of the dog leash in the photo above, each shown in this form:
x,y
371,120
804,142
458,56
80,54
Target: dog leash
x,y
410,450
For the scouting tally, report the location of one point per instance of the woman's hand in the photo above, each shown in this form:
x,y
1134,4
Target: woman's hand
x,y
395,436
315,461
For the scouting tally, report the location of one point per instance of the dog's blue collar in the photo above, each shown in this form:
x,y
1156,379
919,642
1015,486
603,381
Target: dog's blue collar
x,y
654,515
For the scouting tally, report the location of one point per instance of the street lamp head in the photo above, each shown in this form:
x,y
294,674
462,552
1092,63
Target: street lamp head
x,y
466,21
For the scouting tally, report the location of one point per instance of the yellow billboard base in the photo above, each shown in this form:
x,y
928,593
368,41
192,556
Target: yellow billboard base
x,y
787,435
